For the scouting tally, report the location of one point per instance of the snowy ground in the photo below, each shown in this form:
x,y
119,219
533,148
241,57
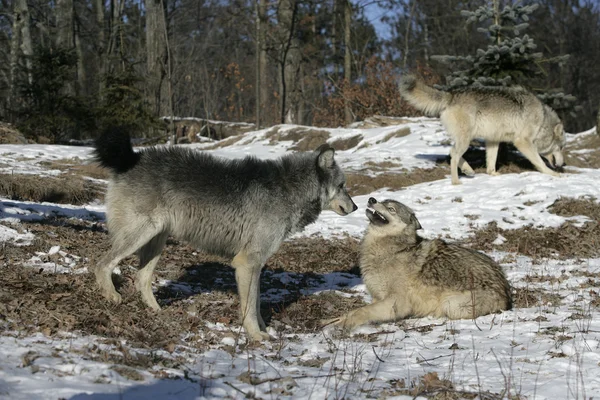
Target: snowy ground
x,y
550,351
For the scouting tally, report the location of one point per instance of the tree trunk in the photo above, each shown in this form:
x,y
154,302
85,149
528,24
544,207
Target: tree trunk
x,y
598,122
81,88
156,55
263,92
347,59
15,43
290,63
98,12
64,23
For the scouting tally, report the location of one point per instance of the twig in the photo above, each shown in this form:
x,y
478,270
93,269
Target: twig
x,y
376,356
431,359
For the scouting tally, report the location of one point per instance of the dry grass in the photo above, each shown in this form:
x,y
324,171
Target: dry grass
x,y
224,143
565,241
75,166
66,190
32,301
400,133
359,184
588,159
345,144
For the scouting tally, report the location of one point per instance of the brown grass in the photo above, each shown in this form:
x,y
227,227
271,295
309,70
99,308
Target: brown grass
x,y
565,241
224,143
400,133
304,138
360,183
589,159
31,301
75,166
345,144
67,190
569,207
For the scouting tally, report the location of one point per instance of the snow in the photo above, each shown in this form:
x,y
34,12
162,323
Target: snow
x,y
543,352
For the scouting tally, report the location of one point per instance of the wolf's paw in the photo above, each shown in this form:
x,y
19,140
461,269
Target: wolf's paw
x,y
456,182
468,171
493,173
112,296
258,336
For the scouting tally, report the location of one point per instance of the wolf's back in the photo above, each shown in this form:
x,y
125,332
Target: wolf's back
x,y
114,150
424,98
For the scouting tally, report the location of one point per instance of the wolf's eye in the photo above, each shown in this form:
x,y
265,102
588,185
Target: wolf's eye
x,y
392,210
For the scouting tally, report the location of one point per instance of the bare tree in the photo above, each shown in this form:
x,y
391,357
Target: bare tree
x,y
21,43
290,59
156,48
347,58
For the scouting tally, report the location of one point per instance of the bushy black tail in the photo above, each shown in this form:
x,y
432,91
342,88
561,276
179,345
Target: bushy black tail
x,y
114,150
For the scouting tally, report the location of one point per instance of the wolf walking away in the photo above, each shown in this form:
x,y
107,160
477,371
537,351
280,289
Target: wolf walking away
x,y
410,276
240,208
494,114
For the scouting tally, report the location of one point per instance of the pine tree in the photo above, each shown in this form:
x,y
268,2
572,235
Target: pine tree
x,y
510,59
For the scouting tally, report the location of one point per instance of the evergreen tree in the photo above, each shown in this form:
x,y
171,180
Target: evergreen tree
x,y
510,59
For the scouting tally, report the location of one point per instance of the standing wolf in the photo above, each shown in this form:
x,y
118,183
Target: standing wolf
x,y
242,208
409,276
495,115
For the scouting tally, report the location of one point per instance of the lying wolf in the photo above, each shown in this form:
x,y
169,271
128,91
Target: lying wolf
x,y
495,115
241,208
409,276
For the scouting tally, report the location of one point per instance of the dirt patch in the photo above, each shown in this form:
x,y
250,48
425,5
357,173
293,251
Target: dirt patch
x,y
565,241
569,207
584,152
400,133
35,301
304,138
360,183
524,297
224,143
381,166
76,166
71,189
345,144
11,135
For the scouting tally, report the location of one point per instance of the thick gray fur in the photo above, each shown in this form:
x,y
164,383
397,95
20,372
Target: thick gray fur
x,y
495,114
241,208
410,276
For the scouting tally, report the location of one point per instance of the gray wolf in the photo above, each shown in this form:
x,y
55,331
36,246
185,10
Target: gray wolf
x,y
410,276
495,115
240,208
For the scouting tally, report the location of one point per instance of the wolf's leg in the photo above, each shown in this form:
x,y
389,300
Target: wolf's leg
x,y
247,275
123,244
529,151
261,322
491,155
459,148
388,309
149,255
465,167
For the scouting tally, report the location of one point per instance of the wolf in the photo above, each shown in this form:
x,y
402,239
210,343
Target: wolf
x,y
240,208
494,114
410,276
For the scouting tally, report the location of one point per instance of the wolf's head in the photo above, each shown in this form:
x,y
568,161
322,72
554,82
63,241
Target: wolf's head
x,y
334,196
552,139
391,218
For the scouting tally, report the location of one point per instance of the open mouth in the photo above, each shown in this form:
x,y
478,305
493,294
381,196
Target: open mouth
x,y
376,217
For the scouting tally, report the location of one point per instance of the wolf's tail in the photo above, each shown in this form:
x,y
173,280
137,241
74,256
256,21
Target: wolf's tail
x,y
114,150
424,98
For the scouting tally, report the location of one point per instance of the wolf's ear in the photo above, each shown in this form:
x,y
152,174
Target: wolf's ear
x,y
325,159
558,131
415,222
